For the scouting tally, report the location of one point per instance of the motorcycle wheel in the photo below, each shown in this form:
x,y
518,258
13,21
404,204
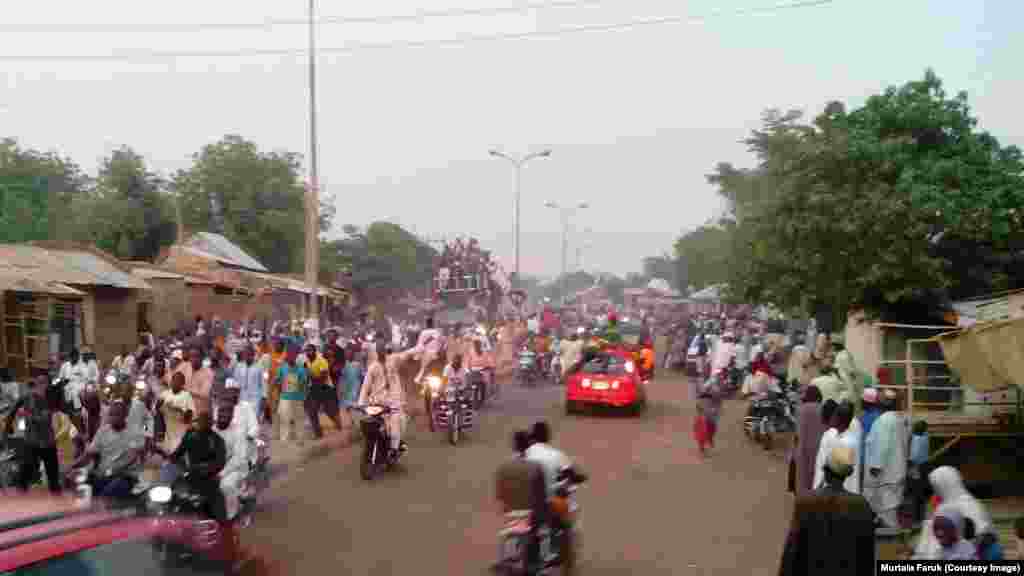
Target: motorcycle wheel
x,y
766,434
428,411
367,469
453,428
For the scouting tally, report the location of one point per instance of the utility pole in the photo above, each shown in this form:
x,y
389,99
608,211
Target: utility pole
x,y
313,190
565,212
516,222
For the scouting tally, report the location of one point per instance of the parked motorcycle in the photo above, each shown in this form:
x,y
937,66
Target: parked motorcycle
x,y
771,413
377,453
452,407
560,539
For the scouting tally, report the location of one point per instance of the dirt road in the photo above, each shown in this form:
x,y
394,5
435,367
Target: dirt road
x,y
652,506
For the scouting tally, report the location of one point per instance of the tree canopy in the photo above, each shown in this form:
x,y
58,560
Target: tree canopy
x,y
254,198
897,201
382,258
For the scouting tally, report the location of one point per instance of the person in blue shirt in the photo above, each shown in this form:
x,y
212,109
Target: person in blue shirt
x,y
916,479
872,410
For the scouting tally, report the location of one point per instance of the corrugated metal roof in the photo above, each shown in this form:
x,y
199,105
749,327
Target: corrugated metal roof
x,y
224,250
63,266
149,273
14,284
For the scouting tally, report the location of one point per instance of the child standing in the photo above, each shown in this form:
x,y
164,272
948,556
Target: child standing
x,y
709,407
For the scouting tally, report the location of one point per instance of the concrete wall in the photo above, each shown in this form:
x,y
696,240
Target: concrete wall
x,y
168,304
116,321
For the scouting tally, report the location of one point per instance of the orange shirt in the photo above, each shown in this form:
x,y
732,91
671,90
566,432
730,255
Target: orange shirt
x,y
648,358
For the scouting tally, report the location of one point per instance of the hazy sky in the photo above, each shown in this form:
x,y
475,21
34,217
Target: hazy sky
x,y
635,117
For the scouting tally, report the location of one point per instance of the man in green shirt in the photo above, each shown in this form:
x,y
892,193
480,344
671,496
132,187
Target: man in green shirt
x,y
293,381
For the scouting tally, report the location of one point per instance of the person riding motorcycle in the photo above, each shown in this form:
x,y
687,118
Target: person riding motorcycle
x,y
428,347
383,386
454,372
551,459
520,485
202,455
118,451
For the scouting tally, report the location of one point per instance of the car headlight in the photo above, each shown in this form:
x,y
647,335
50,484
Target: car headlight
x,y
111,379
434,382
630,367
585,383
160,494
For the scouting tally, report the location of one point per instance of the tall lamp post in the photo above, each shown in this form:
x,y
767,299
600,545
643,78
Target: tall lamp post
x,y
313,190
518,163
565,212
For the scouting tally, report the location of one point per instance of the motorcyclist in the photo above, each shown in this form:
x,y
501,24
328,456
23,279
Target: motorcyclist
x,y
455,372
520,485
202,455
542,452
118,452
428,347
383,387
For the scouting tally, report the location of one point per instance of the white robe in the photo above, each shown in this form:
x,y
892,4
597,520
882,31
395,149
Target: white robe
x,y
886,449
240,441
949,486
830,439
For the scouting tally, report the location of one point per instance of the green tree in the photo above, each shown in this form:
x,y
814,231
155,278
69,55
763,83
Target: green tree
x,y
898,201
129,213
384,260
705,253
36,193
254,198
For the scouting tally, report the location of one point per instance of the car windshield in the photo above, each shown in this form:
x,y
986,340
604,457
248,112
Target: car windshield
x,y
606,364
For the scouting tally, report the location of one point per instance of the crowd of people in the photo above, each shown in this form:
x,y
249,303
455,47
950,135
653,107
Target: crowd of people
x,y
859,466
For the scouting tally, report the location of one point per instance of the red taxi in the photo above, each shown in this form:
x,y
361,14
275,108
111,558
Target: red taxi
x,y
42,536
609,377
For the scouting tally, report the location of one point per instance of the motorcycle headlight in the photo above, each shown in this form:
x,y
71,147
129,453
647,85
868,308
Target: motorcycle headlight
x,y
374,410
111,379
140,386
434,382
160,494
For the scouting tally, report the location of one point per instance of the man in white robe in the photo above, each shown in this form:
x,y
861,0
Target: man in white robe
x,y
845,431
886,461
238,426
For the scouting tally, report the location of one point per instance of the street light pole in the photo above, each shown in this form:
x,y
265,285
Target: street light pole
x,y
518,164
313,191
565,213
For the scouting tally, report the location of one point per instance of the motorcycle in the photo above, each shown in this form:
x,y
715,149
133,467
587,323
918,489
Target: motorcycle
x,y
10,453
560,539
452,407
166,503
774,412
527,367
377,453
480,380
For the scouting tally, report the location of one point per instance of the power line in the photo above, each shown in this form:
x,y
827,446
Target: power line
x,y
140,55
267,24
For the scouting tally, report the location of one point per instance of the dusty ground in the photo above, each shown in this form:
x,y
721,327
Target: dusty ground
x,y
652,506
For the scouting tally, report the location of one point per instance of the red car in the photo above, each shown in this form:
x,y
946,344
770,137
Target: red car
x,y
42,536
611,378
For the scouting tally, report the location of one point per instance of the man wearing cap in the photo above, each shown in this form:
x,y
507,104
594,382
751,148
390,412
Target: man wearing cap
x,y
236,423
885,461
832,531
